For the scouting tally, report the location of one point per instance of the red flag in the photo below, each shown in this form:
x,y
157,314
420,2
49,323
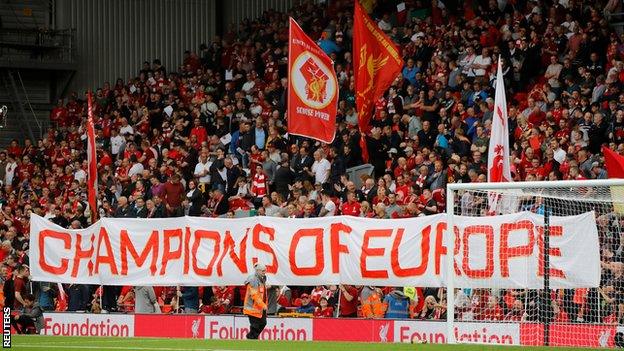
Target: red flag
x,y
312,88
92,161
614,163
61,300
377,63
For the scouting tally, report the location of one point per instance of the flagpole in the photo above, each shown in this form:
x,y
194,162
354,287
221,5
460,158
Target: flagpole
x,y
92,169
339,296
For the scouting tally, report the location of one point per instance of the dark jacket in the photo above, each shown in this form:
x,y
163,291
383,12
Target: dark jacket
x,y
190,297
282,178
140,213
232,175
124,212
197,201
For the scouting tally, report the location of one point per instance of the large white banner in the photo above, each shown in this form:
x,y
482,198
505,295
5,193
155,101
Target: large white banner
x,y
501,251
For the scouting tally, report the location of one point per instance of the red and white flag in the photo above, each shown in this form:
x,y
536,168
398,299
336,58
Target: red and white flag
x,y
499,166
312,88
92,161
61,301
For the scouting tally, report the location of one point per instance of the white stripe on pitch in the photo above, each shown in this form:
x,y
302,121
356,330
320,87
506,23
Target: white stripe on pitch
x,y
93,347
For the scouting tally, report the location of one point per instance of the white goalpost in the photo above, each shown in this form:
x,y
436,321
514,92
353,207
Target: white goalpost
x,y
569,291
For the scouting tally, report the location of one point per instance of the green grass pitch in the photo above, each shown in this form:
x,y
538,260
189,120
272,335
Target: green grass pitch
x,y
54,343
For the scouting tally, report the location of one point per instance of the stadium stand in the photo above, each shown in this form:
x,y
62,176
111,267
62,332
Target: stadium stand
x,y
209,139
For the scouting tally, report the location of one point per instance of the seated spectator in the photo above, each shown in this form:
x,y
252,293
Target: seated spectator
x,y
492,312
125,302
318,292
221,300
431,309
323,309
29,318
517,313
306,305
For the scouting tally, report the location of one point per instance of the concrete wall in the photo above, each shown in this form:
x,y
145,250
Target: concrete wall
x,y
114,37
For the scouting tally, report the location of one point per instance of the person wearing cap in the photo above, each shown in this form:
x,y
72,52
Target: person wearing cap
x,y
306,306
255,306
324,310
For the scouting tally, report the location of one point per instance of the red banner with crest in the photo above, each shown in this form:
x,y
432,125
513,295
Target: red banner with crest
x,y
312,88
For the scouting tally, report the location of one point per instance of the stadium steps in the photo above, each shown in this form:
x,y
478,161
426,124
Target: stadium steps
x,y
27,116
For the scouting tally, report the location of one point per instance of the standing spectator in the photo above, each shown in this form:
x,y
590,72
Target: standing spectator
x,y
396,305
329,207
320,168
145,300
20,286
302,164
79,297
284,177
190,298
372,302
173,193
194,199
259,186
348,301
202,169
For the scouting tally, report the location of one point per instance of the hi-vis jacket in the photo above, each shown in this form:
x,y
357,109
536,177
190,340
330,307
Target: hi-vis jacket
x,y
254,297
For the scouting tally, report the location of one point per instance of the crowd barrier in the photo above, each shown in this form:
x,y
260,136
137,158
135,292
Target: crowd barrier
x,y
325,329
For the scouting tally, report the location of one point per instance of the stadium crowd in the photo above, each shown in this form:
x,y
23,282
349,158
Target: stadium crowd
x,y
209,138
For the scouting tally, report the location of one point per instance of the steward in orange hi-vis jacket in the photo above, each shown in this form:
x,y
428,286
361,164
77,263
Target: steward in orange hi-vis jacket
x,y
255,306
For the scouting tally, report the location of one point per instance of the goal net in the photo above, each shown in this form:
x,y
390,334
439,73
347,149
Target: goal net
x,y
553,273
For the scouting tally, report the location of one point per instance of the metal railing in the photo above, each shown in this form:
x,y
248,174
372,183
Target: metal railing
x,y
40,45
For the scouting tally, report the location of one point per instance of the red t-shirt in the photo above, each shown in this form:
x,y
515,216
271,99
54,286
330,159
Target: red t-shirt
x,y
20,286
351,208
173,194
349,308
328,312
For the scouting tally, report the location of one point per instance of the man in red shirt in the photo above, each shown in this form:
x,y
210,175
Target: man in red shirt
x,y
352,206
26,169
20,284
173,193
222,299
199,131
348,301
59,114
535,169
